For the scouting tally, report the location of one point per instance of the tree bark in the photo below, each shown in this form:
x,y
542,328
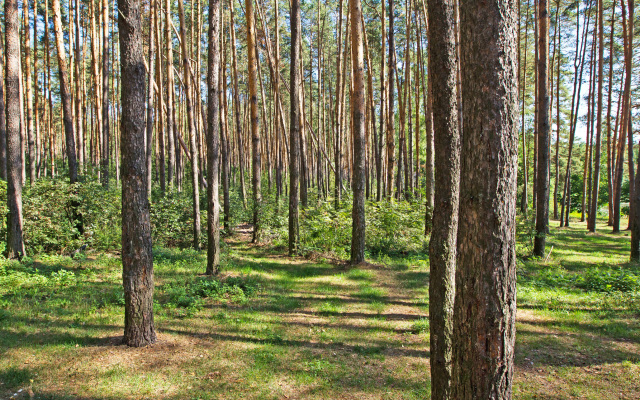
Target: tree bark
x,y
213,140
106,142
256,169
359,150
542,186
15,242
3,120
294,127
65,94
391,146
485,303
29,94
443,67
137,258
192,128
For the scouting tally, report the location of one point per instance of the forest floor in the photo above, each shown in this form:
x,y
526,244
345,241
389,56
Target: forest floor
x,y
313,329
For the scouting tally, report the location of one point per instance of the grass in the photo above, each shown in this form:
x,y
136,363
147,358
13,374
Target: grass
x,y
275,327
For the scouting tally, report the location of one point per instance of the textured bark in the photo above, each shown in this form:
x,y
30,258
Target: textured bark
x,y
29,95
3,121
79,92
338,114
106,143
236,106
294,127
15,242
186,72
359,150
379,172
593,208
542,124
213,140
391,145
256,169
485,304
150,95
137,258
65,94
225,140
443,66
171,143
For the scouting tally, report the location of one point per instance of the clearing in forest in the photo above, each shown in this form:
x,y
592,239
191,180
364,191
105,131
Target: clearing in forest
x,y
273,327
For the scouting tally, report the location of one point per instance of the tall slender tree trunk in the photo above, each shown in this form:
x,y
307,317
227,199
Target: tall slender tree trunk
x,y
213,139
485,304
15,242
359,151
391,146
3,120
65,94
256,169
79,64
106,142
443,67
236,106
542,123
171,122
593,208
153,15
186,68
29,93
294,126
137,257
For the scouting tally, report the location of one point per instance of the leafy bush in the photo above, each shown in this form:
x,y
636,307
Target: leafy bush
x,y
392,226
192,294
605,280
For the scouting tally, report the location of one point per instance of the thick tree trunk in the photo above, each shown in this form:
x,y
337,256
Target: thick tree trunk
x,y
65,94
542,123
359,120
137,258
485,304
15,242
294,127
443,67
213,139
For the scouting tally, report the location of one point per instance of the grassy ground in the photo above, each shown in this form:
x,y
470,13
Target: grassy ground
x,y
313,329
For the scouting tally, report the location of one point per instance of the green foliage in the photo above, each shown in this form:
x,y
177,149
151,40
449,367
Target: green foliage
x,y
172,219
604,280
392,227
192,294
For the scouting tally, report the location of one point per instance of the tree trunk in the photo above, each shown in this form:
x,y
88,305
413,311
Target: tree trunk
x,y
485,304
213,140
150,94
255,133
15,242
593,208
106,152
236,107
3,121
359,120
443,67
391,146
29,94
137,258
65,94
186,68
294,126
542,123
